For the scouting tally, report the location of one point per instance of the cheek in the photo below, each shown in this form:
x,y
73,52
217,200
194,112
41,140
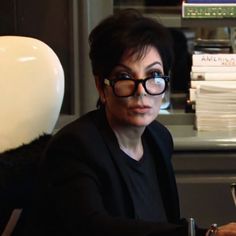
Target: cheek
x,y
111,100
159,101
157,104
117,104
108,93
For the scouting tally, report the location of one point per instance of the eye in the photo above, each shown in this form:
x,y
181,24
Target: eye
x,y
123,75
155,74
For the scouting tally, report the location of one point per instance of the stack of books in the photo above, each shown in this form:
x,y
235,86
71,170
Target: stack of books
x,y
212,46
213,90
209,9
216,108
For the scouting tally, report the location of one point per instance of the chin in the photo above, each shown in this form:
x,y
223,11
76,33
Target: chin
x,y
143,122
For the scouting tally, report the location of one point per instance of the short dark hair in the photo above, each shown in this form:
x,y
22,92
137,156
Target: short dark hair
x,y
127,30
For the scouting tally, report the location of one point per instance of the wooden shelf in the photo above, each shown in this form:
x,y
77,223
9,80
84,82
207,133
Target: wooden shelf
x,y
171,17
208,22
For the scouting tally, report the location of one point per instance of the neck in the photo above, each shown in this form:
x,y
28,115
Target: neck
x,y
130,141
129,137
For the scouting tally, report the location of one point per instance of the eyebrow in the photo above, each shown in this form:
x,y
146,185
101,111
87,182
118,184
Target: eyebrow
x,y
148,67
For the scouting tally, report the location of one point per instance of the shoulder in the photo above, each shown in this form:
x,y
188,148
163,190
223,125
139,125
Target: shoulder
x,y
84,120
161,136
158,129
75,148
73,141
79,136
82,127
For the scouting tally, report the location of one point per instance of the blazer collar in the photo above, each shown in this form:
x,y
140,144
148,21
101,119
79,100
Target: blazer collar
x,y
112,144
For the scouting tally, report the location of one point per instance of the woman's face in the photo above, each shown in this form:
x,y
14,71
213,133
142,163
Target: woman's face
x,y
140,109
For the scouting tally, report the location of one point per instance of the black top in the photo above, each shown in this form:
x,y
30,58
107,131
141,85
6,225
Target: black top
x,y
148,204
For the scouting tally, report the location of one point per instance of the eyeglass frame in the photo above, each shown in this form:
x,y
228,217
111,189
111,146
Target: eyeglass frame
x,y
111,82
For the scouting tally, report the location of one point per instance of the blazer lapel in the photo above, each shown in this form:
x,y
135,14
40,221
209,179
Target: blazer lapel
x,y
165,174
113,147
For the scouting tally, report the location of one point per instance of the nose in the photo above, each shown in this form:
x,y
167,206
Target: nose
x,y
140,89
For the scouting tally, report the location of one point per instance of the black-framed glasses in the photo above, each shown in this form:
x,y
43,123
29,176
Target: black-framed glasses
x,y
124,86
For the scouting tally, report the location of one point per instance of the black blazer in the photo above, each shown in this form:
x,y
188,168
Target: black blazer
x,y
83,188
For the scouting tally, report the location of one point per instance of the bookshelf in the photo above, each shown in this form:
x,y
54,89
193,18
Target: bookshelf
x,y
208,22
170,16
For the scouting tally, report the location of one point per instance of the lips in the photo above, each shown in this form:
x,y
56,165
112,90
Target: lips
x,y
140,109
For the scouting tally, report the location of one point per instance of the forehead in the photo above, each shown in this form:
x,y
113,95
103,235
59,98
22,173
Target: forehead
x,y
144,60
146,54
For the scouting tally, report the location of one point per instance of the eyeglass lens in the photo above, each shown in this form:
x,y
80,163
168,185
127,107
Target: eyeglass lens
x,y
127,87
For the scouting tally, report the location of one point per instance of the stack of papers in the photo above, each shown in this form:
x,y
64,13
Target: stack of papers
x,y
216,107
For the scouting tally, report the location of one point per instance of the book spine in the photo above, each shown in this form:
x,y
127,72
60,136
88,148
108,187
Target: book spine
x,y
208,10
192,94
211,1
213,68
226,84
222,76
218,59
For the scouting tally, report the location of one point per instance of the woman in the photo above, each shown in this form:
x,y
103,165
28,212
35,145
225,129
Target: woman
x,y
109,172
